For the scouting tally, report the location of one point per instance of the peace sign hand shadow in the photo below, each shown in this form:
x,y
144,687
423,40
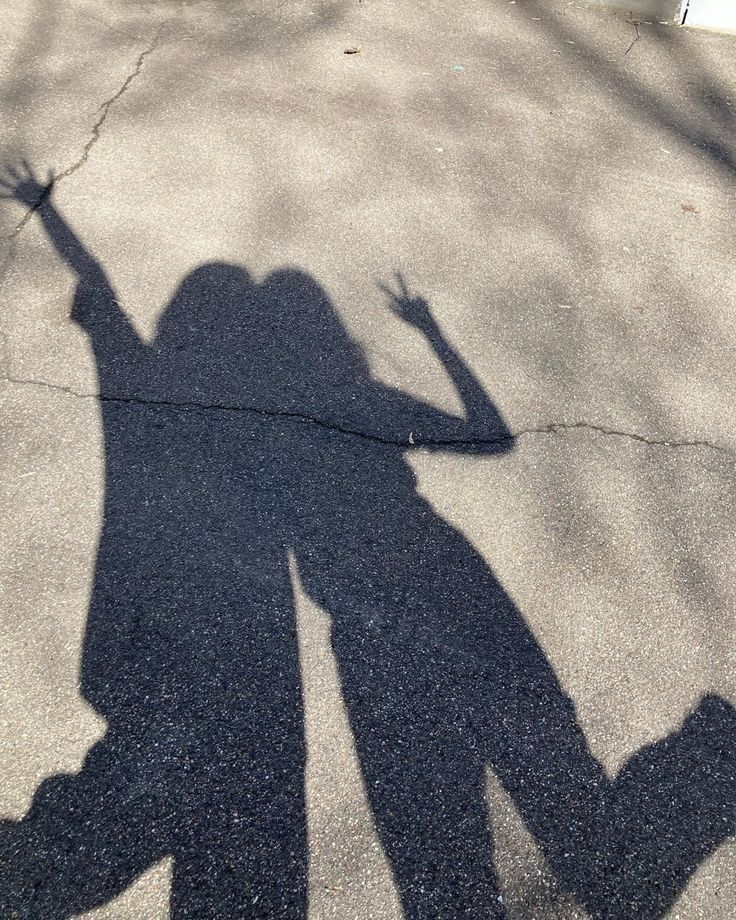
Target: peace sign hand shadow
x,y
413,310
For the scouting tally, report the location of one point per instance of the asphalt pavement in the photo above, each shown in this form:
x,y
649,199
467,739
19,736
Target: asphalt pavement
x,y
368,491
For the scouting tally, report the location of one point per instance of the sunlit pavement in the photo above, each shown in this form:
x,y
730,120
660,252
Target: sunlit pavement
x,y
558,184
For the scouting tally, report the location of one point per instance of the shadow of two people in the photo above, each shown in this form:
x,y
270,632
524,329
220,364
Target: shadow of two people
x,y
251,432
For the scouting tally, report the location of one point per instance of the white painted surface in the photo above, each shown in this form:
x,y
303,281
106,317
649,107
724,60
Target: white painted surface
x,y
712,14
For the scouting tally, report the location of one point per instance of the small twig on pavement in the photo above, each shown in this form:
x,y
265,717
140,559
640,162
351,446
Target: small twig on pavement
x,y
635,24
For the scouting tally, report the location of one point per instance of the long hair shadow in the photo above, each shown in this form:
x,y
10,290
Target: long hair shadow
x,y
250,429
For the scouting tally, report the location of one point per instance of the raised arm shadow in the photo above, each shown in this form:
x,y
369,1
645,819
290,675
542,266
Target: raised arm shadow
x,y
482,430
95,308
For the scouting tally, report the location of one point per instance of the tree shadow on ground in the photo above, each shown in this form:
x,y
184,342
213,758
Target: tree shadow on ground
x,y
251,430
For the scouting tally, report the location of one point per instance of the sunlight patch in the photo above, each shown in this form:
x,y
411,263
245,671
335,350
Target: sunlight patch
x,y
349,875
148,898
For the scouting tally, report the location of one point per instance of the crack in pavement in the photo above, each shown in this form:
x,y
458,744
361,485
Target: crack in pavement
x,y
104,110
552,428
107,105
562,427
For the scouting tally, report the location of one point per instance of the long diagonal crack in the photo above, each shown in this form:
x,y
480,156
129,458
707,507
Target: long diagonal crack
x,y
553,428
97,127
105,109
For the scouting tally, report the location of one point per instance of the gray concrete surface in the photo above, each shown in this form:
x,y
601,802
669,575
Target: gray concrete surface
x,y
662,11
564,200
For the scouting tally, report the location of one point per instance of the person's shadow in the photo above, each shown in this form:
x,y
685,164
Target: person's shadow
x,y
251,431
